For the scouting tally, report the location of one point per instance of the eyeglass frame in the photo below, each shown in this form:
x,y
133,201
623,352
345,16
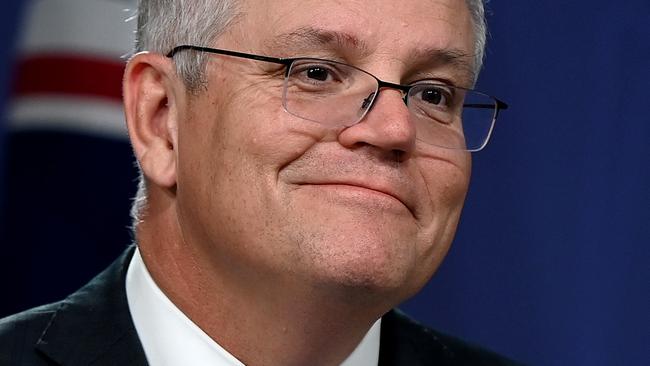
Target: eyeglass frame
x,y
288,62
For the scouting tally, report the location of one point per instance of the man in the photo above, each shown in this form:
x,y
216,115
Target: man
x,y
304,166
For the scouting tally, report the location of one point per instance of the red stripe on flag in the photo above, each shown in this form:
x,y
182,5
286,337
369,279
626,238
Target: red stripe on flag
x,y
71,75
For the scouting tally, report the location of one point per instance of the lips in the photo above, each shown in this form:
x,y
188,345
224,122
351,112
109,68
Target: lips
x,y
364,169
375,185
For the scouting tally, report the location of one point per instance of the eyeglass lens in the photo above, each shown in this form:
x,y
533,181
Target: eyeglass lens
x,y
337,94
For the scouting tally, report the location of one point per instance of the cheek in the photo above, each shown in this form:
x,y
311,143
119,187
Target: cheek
x,y
446,183
271,138
446,178
449,192
233,154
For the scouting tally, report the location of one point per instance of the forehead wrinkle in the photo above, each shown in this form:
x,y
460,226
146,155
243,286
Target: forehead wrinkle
x,y
310,38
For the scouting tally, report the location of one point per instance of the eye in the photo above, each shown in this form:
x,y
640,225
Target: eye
x,y
317,73
435,102
433,95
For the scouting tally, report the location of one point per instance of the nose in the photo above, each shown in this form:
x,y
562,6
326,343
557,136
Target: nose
x,y
387,126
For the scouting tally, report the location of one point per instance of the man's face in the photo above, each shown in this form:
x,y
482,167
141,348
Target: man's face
x,y
263,193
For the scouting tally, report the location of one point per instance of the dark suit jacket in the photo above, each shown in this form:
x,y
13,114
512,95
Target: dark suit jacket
x,y
93,327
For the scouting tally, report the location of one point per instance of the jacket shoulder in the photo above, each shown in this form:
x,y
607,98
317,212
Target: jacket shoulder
x,y
91,326
406,340
19,333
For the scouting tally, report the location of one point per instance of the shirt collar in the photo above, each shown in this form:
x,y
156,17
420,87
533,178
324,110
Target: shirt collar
x,y
170,338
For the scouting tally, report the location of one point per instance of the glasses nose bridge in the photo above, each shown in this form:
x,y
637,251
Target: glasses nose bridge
x,y
381,84
404,89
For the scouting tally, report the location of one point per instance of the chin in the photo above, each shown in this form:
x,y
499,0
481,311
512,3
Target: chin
x,y
357,250
363,272
369,291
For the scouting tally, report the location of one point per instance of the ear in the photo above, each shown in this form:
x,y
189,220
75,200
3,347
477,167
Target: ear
x,y
150,105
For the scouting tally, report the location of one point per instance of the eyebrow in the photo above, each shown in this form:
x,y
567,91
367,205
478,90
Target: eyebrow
x,y
310,38
316,38
456,58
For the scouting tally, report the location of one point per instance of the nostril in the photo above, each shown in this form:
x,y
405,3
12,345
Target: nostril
x,y
399,156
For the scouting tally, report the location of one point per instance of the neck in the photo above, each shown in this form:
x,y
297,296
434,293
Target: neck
x,y
261,320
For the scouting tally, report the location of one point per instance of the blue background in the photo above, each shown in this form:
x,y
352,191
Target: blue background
x,y
551,264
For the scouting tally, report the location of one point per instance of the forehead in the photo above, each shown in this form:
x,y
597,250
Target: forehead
x,y
396,28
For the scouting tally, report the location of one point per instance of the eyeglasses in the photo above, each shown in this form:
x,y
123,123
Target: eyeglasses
x,y
340,95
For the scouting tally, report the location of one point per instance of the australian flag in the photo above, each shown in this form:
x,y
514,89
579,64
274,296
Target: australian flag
x,y
68,169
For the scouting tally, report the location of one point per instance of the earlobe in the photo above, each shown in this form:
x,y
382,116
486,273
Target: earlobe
x,y
151,116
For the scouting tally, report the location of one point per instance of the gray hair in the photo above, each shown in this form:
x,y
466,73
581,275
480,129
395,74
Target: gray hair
x,y
165,24
477,10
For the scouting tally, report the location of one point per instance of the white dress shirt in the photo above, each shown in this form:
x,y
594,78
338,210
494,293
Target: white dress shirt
x,y
170,338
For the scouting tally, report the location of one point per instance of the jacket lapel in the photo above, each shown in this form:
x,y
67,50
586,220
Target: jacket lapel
x,y
404,342
93,326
